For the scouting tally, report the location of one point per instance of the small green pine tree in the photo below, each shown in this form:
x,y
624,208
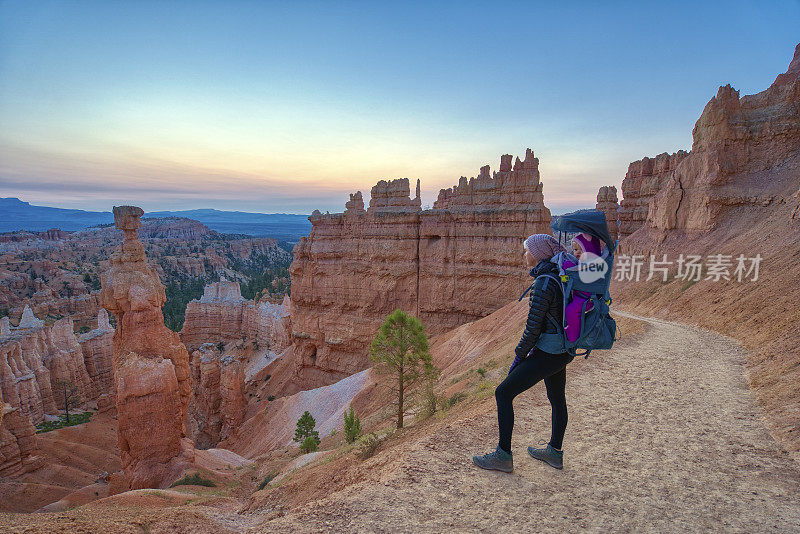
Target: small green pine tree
x,y
309,444
352,426
305,431
401,349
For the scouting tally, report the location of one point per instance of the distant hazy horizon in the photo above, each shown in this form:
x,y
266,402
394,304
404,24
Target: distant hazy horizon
x,y
265,108
152,213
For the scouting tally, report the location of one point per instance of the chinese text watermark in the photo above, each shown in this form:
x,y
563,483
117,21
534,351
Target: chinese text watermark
x,y
689,267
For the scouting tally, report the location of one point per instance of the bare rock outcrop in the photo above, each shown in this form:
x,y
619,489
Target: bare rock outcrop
x,y
151,366
37,360
217,316
607,203
643,180
98,354
18,447
270,324
63,357
448,265
28,320
743,158
221,314
219,401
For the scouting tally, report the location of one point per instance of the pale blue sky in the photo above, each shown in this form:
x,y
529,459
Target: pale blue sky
x,y
259,106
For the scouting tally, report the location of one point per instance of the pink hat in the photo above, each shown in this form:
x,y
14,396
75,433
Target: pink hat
x,y
588,243
543,246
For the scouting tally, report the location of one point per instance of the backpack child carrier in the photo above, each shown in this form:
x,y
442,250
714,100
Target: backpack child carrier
x,y
591,275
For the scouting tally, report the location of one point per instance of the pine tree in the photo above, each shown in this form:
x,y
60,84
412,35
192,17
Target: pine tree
x,y
352,426
309,444
401,348
305,434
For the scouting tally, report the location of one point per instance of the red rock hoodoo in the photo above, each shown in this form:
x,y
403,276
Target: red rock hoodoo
x,y
151,366
219,402
607,203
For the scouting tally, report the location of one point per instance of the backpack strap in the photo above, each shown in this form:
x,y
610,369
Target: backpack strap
x,y
547,277
526,291
548,315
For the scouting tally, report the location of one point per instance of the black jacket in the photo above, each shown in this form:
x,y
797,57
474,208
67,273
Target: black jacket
x,y
544,298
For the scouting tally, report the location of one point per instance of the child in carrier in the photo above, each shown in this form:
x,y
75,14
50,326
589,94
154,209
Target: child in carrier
x,y
581,244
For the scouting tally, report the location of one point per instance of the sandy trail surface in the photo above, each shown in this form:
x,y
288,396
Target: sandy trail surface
x,y
663,435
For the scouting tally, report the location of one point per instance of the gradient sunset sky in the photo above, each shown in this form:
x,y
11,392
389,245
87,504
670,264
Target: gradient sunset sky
x,y
288,107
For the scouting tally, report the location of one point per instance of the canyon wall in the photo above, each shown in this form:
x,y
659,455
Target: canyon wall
x,y
152,377
218,402
742,159
644,179
221,314
737,142
38,359
18,447
448,265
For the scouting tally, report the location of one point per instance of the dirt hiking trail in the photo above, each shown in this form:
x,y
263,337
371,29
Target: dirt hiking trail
x,y
663,435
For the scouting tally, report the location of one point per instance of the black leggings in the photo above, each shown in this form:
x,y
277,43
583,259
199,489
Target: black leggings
x,y
539,365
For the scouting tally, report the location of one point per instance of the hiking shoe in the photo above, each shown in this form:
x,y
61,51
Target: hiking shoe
x,y
499,460
548,455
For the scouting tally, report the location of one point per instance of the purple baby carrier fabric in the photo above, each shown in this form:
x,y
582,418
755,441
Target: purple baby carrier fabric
x,y
574,308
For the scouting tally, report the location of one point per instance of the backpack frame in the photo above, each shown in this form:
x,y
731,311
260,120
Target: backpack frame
x,y
597,329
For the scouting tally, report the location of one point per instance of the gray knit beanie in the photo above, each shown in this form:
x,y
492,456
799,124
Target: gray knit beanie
x,y
543,246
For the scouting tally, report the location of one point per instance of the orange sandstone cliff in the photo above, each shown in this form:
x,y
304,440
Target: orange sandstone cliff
x,y
38,359
448,265
642,181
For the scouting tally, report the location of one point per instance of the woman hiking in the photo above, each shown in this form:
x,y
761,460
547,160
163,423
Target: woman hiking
x,y
531,364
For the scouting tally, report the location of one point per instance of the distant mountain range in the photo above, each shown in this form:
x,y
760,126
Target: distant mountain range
x,y
18,215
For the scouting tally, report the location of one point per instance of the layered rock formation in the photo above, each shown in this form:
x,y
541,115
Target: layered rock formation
x,y
64,359
57,273
737,142
217,316
219,403
24,379
18,448
643,180
37,360
221,314
607,203
151,366
470,243
98,354
448,265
